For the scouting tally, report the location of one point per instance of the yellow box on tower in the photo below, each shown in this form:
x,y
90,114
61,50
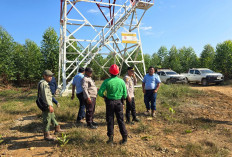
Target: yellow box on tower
x,y
129,38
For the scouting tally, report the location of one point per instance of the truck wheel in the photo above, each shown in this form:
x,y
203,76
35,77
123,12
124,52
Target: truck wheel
x,y
168,81
204,82
186,80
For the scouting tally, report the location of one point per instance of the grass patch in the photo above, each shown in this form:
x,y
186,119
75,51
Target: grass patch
x,y
142,128
168,131
193,150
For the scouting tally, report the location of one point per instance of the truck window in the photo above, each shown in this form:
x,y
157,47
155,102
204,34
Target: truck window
x,y
162,73
197,72
158,73
191,71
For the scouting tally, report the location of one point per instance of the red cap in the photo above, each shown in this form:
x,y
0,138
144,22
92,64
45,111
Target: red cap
x,y
114,70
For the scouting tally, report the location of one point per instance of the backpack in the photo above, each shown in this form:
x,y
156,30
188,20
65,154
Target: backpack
x,y
39,101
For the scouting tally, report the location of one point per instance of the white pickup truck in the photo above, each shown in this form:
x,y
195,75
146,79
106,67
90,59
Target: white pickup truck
x,y
169,76
203,76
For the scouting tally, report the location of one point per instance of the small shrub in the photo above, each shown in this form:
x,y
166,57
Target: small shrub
x,y
147,138
188,131
63,140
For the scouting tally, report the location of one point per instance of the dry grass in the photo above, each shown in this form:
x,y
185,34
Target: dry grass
x,y
161,136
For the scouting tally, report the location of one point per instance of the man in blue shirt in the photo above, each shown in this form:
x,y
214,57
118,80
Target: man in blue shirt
x,y
151,84
77,83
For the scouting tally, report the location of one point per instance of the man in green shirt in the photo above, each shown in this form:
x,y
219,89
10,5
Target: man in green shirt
x,y
48,115
115,91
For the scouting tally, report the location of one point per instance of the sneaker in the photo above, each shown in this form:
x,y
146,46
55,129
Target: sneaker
x,y
147,112
91,126
58,105
135,119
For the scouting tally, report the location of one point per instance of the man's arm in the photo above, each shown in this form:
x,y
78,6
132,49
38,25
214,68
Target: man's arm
x,y
135,79
143,86
73,91
157,88
126,79
85,88
47,96
102,89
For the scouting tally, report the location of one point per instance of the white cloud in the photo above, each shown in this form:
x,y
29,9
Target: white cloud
x,y
93,11
146,28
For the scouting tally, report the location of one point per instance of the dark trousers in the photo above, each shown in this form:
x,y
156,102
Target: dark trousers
x,y
90,109
81,113
150,99
130,107
115,107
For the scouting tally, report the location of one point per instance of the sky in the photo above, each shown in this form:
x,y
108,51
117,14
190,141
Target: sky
x,y
181,23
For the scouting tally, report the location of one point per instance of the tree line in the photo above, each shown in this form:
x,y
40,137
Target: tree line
x,y
22,64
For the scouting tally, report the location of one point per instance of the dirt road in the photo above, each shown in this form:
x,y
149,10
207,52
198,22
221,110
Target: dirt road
x,y
227,90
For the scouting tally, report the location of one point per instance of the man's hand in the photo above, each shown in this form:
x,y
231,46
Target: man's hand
x,y
72,97
144,91
129,99
89,101
51,109
155,91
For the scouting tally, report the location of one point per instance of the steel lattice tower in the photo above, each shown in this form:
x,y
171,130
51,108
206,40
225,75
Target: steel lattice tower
x,y
82,36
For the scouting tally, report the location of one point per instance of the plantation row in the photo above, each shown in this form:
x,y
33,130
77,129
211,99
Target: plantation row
x,y
25,63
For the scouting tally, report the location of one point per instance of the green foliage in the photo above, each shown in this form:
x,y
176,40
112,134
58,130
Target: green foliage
x,y
24,63
50,49
188,58
207,57
63,140
6,57
223,58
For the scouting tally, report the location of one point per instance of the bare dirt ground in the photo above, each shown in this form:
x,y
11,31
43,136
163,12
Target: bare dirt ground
x,y
227,90
208,119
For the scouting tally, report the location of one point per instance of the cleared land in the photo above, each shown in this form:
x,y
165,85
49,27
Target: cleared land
x,y
200,125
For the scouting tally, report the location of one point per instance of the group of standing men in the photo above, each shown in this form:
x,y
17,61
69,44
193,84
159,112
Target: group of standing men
x,y
114,90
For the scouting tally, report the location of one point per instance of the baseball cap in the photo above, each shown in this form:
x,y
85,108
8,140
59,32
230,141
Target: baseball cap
x,y
48,73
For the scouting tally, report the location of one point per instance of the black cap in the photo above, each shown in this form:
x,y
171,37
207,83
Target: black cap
x,y
130,68
88,70
81,70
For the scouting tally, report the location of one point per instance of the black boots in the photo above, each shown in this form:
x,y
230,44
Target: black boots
x,y
111,140
91,126
124,140
135,119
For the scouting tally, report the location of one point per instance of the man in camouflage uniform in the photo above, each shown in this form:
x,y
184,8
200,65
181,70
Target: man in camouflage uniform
x,y
89,94
48,115
130,80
